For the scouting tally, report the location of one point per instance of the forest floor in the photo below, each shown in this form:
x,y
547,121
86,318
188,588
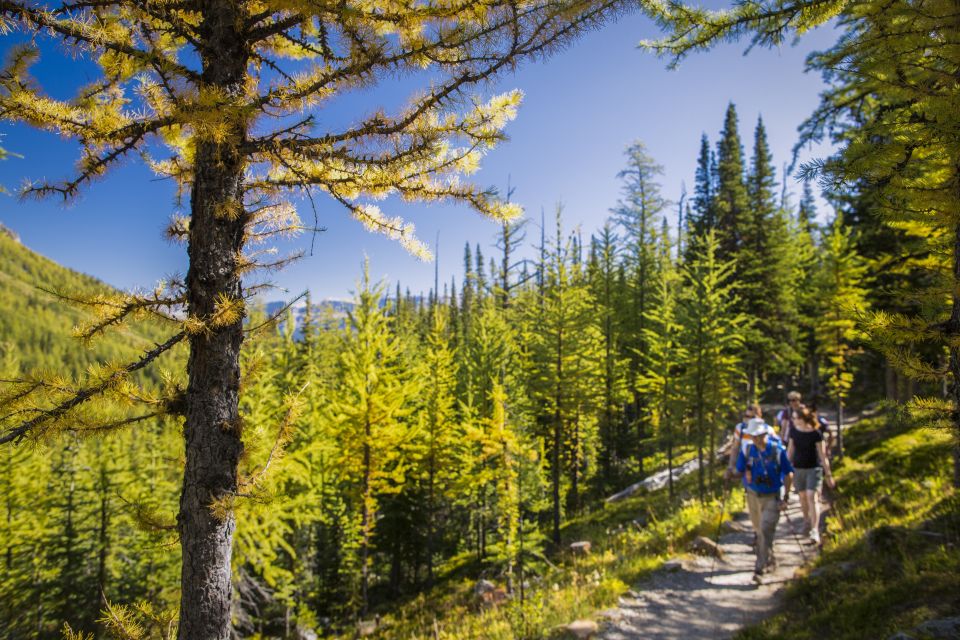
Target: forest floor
x,y
889,564
704,598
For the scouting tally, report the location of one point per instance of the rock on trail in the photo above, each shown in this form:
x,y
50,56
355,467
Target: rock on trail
x,y
709,598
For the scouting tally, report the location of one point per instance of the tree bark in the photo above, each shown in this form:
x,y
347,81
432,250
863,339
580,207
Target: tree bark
x,y
212,427
955,355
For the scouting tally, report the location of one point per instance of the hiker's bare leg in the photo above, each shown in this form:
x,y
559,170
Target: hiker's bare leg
x,y
805,507
813,499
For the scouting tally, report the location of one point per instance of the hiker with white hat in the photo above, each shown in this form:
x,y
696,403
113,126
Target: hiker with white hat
x,y
739,442
765,468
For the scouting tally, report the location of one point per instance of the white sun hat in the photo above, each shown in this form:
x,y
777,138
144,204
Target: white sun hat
x,y
756,427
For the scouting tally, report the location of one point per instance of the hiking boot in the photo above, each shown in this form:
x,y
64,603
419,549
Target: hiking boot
x,y
815,536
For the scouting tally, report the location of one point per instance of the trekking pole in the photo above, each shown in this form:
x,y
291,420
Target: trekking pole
x,y
796,538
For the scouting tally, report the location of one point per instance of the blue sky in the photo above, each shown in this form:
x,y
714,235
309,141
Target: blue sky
x,y
582,107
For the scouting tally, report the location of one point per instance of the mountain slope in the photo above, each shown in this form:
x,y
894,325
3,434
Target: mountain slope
x,y
37,328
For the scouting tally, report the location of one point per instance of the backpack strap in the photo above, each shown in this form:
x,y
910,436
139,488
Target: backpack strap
x,y
777,450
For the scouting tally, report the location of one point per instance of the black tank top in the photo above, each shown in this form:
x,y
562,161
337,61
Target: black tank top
x,y
805,448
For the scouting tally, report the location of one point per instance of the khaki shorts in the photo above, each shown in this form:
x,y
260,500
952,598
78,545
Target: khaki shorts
x,y
808,479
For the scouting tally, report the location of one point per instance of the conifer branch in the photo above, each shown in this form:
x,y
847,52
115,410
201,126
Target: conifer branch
x,y
273,319
79,31
18,433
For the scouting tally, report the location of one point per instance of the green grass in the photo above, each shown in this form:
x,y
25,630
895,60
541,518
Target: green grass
x,y
574,587
892,560
895,481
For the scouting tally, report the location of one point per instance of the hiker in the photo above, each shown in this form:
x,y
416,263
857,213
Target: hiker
x,y
789,415
808,454
765,468
739,442
742,443
824,425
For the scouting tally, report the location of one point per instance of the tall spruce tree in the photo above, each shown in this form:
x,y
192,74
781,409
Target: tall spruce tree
x,y
703,217
767,260
732,200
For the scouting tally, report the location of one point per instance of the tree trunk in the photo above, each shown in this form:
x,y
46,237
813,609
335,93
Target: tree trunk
x,y
670,465
212,427
555,478
840,427
365,521
890,380
103,535
955,356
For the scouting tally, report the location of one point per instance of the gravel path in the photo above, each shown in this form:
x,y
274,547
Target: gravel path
x,y
711,600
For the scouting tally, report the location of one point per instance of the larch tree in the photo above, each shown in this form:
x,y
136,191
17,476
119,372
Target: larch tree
x,y
224,98
370,412
661,376
565,353
712,336
842,282
442,432
638,214
602,276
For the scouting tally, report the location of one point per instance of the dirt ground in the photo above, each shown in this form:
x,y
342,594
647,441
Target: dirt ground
x,y
712,599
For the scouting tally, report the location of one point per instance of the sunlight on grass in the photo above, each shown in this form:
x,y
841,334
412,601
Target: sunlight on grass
x,y
892,562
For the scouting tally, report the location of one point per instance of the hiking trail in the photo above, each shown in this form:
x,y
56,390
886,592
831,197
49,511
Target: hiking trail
x,y
707,599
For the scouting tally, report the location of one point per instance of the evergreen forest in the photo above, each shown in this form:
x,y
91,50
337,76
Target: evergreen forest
x,y
465,462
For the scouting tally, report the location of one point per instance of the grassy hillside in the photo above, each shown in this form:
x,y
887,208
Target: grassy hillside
x,y
36,327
